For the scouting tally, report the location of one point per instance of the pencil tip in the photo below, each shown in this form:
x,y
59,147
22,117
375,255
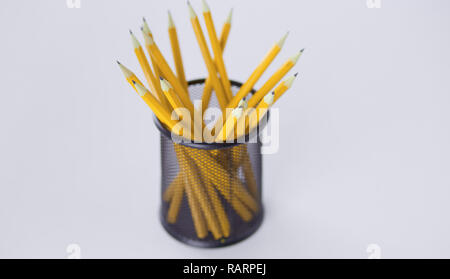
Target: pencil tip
x,y
143,19
192,13
205,6
131,32
230,15
161,78
302,50
280,43
296,74
268,99
118,62
171,23
133,82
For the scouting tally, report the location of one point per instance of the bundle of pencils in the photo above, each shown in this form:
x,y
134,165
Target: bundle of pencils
x,y
208,178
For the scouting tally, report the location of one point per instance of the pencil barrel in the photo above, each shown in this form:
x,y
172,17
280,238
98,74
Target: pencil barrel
x,y
210,193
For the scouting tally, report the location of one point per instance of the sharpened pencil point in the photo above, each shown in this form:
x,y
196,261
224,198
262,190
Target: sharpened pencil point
x,y
302,50
288,81
280,43
205,6
126,72
145,27
171,23
295,58
148,39
268,99
161,78
141,90
230,15
296,74
165,85
192,13
133,82
118,62
143,19
131,32
135,42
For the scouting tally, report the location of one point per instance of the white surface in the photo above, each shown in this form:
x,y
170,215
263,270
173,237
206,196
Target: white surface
x,y
364,154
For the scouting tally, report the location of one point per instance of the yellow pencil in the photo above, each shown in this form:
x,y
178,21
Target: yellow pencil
x,y
225,30
146,30
274,79
177,105
257,73
168,73
217,50
146,68
207,91
171,95
212,71
176,52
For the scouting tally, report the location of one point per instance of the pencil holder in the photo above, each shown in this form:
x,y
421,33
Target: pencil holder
x,y
211,193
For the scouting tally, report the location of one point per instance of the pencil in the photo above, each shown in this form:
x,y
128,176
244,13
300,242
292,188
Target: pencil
x,y
217,50
146,68
207,91
176,52
274,79
168,73
257,73
212,71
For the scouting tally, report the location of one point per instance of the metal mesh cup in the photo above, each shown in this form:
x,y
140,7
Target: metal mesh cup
x,y
211,193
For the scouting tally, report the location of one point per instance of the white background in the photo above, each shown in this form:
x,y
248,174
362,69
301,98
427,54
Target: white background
x,y
364,146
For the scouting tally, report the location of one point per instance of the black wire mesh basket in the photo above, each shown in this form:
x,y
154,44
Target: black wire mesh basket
x,y
211,193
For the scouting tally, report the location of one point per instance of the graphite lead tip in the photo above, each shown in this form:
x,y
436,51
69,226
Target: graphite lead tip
x,y
296,74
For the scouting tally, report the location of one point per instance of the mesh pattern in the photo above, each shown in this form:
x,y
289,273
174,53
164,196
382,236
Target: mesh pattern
x,y
211,196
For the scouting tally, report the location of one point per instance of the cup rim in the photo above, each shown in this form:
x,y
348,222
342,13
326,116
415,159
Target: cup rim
x,y
214,145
